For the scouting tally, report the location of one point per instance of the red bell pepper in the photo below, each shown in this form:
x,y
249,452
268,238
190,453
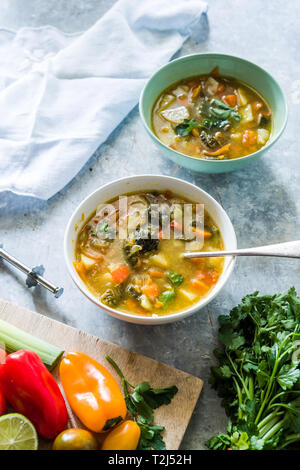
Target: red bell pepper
x,y
2,404
32,391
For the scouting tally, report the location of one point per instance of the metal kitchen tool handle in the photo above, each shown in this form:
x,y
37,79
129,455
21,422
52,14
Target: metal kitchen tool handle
x,y
34,275
282,250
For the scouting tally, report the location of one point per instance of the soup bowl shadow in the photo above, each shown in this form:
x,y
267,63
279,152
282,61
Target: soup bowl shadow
x,y
230,66
141,183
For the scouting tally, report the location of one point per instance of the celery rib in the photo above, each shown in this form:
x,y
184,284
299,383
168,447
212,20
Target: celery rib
x,y
14,339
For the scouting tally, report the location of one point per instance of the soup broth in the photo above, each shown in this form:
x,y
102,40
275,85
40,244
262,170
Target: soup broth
x,y
212,117
144,273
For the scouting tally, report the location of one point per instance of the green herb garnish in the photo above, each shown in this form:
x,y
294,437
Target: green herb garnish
x,y
186,127
141,403
219,118
166,297
210,123
258,375
222,111
175,278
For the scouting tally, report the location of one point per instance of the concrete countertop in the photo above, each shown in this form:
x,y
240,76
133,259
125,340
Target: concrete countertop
x,y
262,200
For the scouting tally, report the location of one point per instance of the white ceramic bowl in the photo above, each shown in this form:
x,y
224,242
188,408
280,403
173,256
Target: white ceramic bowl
x,y
142,183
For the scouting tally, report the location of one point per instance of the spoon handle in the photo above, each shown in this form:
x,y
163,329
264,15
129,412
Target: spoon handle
x,y
34,275
284,250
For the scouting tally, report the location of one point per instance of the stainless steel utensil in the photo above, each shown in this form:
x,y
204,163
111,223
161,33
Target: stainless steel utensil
x,y
283,250
34,275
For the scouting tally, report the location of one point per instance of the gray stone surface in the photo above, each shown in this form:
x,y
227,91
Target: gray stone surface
x,y
262,200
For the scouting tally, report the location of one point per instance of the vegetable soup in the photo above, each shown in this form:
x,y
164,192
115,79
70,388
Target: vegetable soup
x,y
132,264
212,117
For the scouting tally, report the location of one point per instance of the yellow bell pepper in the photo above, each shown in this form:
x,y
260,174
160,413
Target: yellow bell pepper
x,y
92,392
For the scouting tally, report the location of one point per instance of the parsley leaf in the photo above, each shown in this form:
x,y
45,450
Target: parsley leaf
x,y
221,110
175,278
186,127
141,403
151,437
288,376
166,297
156,397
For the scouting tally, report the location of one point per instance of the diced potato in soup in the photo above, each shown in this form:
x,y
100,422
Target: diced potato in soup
x,y
212,117
143,272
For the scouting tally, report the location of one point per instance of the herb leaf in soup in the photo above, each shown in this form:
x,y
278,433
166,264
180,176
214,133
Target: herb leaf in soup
x,y
175,278
186,127
166,297
223,111
209,123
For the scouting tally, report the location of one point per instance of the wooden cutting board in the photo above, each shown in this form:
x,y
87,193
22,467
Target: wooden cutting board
x,y
137,368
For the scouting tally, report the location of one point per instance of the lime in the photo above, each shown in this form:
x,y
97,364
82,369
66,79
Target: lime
x,y
17,433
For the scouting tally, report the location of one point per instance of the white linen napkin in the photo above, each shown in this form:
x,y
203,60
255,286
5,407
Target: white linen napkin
x,y
61,95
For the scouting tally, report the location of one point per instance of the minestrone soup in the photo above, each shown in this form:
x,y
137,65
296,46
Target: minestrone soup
x,y
135,265
212,117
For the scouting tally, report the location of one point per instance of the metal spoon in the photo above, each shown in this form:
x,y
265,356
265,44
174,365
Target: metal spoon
x,y
283,250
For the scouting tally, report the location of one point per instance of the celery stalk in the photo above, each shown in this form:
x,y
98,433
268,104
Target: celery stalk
x,y
15,339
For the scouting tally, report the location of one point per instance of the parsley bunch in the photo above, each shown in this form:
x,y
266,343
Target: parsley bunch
x,y
141,403
258,375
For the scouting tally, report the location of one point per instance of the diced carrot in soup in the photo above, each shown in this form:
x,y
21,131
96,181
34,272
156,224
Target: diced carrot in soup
x,y
249,137
257,105
200,233
231,100
120,274
151,290
199,285
156,273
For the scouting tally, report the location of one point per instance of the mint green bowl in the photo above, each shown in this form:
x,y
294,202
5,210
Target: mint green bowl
x,y
198,64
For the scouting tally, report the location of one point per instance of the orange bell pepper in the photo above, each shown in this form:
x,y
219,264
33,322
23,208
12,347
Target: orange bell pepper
x,y
92,392
125,436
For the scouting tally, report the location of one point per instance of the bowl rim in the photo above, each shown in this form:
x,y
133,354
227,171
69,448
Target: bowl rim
x,y
191,57
141,319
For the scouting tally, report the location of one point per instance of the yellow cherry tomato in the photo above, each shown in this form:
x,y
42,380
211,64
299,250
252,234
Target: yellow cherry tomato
x,y
75,439
125,436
